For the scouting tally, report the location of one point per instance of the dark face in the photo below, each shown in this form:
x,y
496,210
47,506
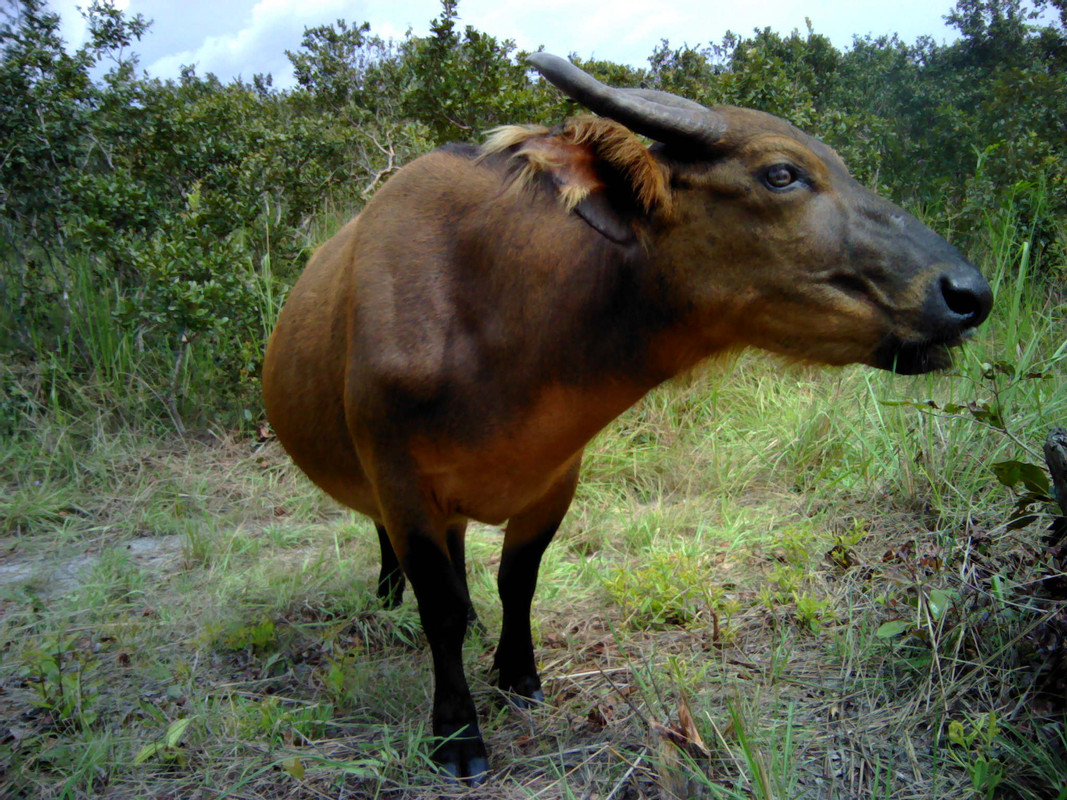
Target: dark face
x,y
806,261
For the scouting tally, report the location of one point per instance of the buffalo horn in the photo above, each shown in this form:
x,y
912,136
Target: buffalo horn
x,y
665,98
660,116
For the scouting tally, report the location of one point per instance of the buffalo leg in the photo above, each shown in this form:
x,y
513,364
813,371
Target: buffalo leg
x,y
419,539
391,578
457,552
443,608
525,540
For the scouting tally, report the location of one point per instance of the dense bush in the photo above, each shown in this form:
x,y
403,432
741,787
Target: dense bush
x,y
179,210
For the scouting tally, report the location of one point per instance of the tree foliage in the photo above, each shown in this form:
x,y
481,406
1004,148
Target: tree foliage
x,y
332,62
189,201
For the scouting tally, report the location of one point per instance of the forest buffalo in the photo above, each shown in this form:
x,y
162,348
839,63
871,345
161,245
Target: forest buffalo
x,y
450,352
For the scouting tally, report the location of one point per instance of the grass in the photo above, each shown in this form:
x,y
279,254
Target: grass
x,y
774,583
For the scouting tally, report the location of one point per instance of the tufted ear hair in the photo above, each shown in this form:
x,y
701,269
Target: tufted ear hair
x,y
602,171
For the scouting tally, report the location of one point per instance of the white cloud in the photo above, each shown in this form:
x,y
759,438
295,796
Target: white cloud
x,y
259,46
249,36
72,26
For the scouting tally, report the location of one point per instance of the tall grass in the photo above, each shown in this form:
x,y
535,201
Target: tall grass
x,y
90,356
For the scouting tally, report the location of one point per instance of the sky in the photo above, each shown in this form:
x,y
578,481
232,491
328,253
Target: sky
x,y
234,38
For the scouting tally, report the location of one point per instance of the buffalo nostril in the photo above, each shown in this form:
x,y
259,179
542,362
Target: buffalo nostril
x,y
968,296
960,300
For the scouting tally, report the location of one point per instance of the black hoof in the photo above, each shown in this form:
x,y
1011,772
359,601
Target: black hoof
x,y
463,758
524,692
473,774
532,700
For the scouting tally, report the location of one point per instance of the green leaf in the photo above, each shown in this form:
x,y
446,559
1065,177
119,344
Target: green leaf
x,y
171,739
294,767
920,663
890,630
955,733
1011,473
1036,479
147,752
939,601
176,731
997,588
1003,367
1021,522
983,412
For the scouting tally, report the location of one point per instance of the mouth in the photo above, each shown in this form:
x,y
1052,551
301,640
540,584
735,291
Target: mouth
x,y
915,358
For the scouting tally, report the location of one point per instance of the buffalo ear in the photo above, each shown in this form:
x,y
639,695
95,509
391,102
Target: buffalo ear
x,y
601,170
634,175
613,224
580,181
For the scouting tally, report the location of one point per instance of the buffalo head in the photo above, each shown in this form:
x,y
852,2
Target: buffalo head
x,y
766,240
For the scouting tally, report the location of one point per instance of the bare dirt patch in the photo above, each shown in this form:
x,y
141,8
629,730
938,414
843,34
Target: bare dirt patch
x,y
57,573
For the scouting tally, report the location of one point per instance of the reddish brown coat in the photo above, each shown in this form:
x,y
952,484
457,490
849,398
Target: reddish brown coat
x,y
450,352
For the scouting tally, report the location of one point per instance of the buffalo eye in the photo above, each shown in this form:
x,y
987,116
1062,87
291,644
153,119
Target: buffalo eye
x,y
779,176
